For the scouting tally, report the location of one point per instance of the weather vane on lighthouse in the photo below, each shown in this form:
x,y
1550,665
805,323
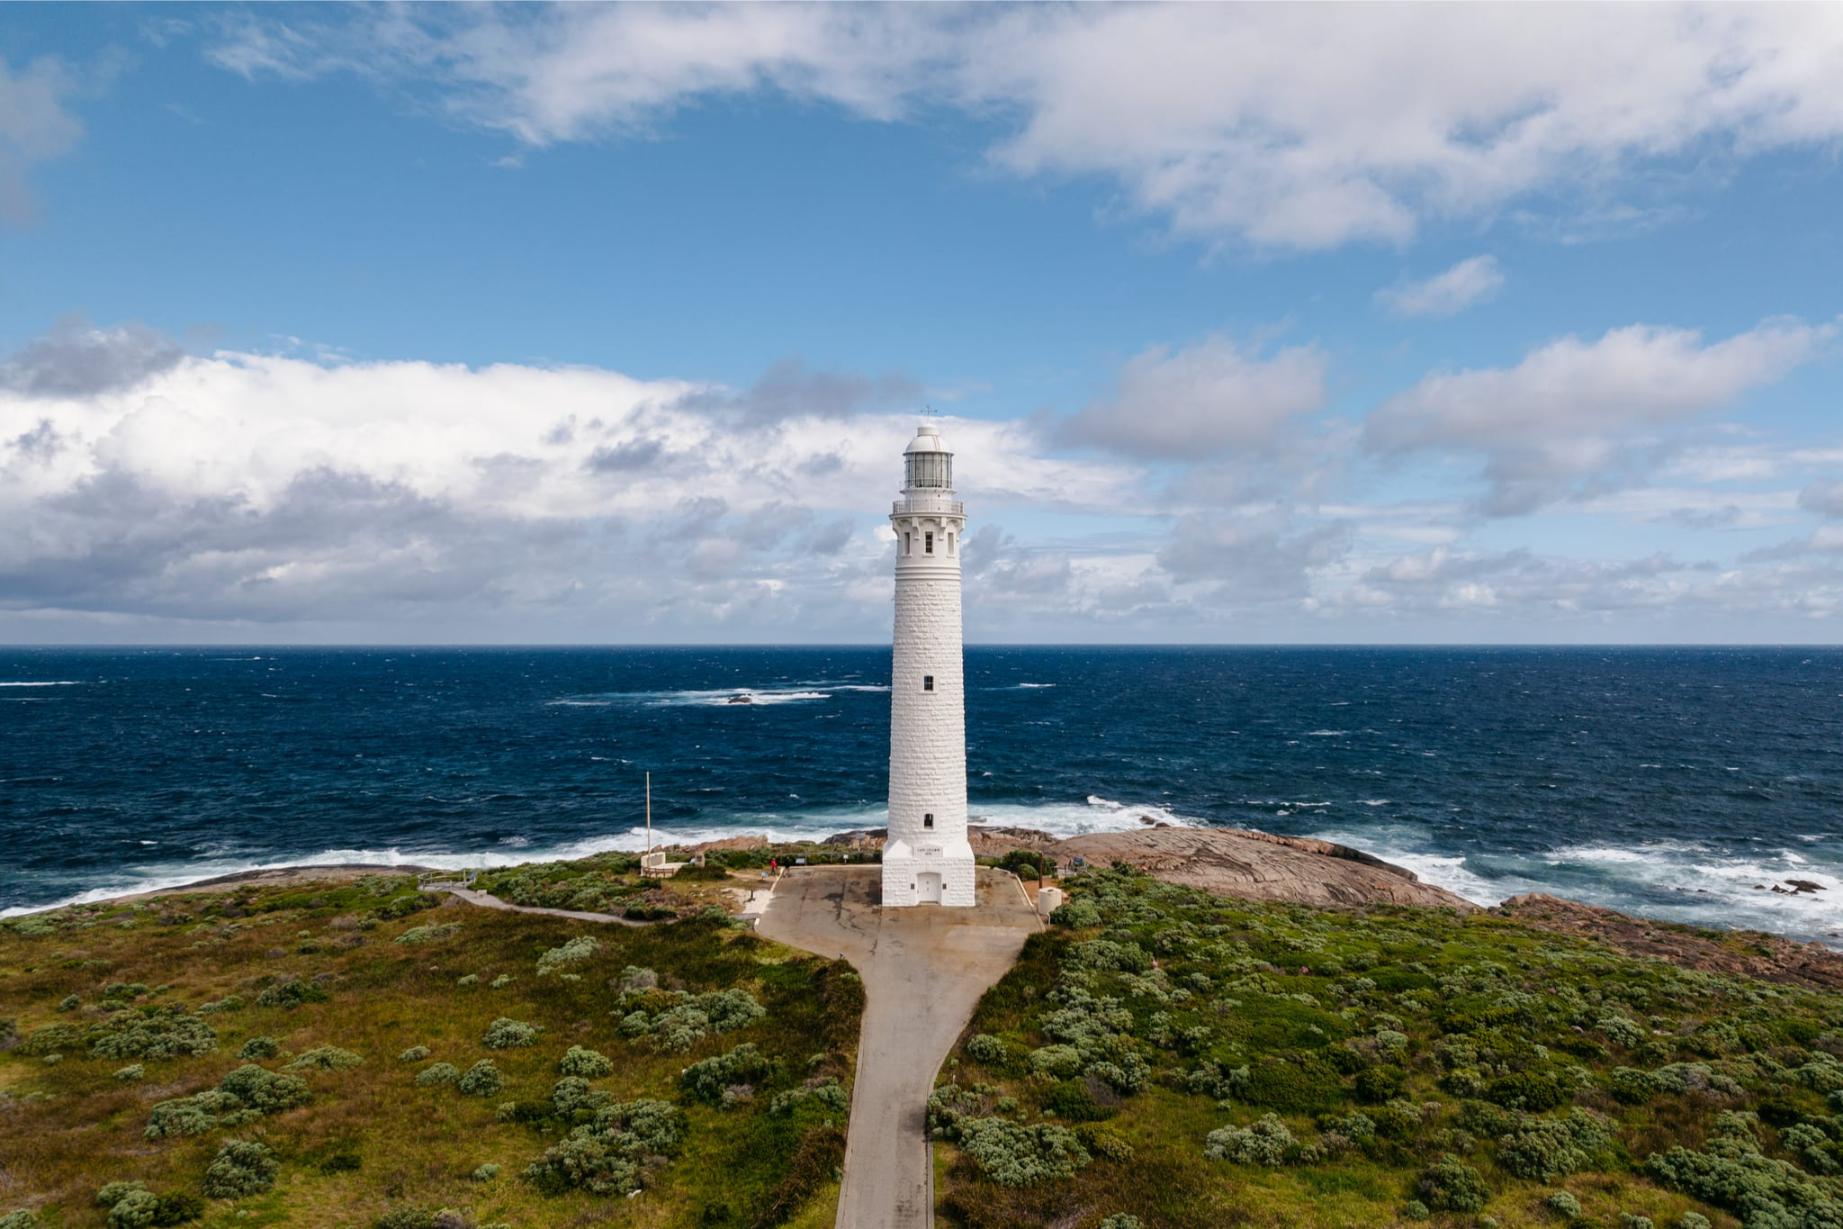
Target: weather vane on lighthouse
x,y
926,858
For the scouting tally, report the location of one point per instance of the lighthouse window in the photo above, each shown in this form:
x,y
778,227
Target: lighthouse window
x,y
927,682
908,544
928,821
950,538
928,542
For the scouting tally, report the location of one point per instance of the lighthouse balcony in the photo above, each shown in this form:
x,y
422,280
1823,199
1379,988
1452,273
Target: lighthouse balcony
x,y
926,505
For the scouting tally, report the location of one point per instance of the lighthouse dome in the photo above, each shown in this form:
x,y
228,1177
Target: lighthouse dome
x,y
927,465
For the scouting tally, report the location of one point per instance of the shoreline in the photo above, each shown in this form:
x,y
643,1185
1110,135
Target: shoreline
x,y
1242,862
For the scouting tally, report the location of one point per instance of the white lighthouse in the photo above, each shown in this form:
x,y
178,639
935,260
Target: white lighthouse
x,y
926,859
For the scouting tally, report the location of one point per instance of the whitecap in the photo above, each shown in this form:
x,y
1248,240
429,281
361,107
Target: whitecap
x,y
45,683
1326,733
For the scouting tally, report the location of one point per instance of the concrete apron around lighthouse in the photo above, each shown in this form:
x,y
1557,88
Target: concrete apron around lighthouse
x,y
926,859
923,970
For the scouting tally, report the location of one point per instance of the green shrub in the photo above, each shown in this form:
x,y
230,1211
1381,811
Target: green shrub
x,y
1414,1209
577,950
151,1032
241,1167
436,1074
506,1033
604,1156
1263,1142
414,1054
708,1080
324,1058
481,1080
260,1047
434,932
1545,1148
1630,1220
52,1039
1060,1061
589,1064
1012,1154
1076,914
69,1002
130,1073
1450,1185
985,1048
1120,1220
21,1218
290,992
266,1092
485,1173
1564,1205
245,1094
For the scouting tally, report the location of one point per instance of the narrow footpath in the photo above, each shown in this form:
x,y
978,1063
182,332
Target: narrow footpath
x,y
924,970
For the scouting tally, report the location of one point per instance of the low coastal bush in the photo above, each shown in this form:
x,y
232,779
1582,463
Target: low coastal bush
x,y
680,1020
605,1157
260,1047
481,1080
436,1074
290,992
577,950
324,1058
245,1094
434,932
506,1033
715,1077
1013,1154
985,1048
1450,1185
241,1167
151,1032
414,1054
589,1064
1263,1142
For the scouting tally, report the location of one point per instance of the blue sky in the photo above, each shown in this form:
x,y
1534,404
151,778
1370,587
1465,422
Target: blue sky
x,y
607,323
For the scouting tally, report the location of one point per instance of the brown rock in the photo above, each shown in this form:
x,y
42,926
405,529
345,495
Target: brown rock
x,y
1749,952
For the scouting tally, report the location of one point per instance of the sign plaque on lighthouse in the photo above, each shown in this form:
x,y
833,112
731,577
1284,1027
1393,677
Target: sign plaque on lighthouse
x,y
926,858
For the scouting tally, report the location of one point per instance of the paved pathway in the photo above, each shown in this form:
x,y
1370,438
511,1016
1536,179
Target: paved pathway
x,y
487,900
924,970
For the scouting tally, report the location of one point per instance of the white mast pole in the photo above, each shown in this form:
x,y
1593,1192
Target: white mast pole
x,y
649,812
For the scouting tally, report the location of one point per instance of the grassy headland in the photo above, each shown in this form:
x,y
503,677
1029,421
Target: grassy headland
x,y
1162,1057
365,1054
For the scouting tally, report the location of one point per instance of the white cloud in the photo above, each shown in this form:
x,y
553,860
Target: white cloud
x,y
1203,400
35,124
1291,126
276,489
1445,294
1574,410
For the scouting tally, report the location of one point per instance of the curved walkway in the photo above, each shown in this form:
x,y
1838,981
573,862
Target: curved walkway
x,y
487,900
924,970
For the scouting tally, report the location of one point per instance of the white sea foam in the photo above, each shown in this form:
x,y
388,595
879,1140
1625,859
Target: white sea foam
x,y
1033,686
861,687
1326,733
45,683
738,697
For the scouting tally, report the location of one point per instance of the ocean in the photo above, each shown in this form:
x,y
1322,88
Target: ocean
x,y
1682,783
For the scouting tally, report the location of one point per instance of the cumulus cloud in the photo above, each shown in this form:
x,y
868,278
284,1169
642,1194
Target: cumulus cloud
x,y
1203,400
76,359
1198,114
1445,294
36,123
275,489
1574,412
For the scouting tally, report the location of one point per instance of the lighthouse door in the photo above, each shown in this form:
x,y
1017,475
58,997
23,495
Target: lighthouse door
x,y
928,888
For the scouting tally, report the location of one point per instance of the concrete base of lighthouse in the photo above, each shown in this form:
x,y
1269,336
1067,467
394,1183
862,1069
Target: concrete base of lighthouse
x,y
936,874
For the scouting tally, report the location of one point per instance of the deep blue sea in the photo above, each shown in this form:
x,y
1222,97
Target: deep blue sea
x,y
1663,781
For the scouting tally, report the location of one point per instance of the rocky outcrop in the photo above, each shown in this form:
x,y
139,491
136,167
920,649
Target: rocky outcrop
x,y
1262,866
1228,861
1751,952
